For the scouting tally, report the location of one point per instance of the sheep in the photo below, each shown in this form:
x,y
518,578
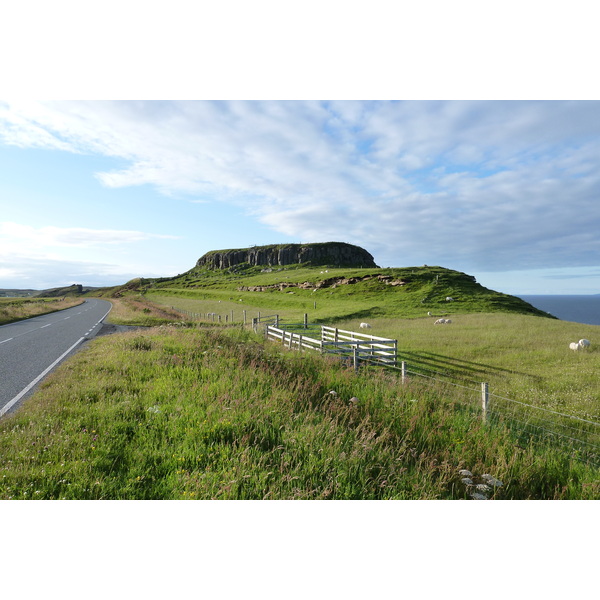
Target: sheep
x,y
449,299
583,343
442,321
365,326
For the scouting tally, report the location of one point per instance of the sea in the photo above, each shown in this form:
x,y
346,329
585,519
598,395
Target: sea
x,y
579,309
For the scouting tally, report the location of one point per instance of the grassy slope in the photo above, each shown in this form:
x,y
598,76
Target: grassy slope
x,y
206,413
425,291
182,413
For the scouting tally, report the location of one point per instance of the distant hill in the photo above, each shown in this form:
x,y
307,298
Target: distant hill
x,y
340,279
14,293
70,290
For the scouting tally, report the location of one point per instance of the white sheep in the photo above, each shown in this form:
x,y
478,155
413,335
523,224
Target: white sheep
x,y
365,326
439,322
449,299
574,346
584,343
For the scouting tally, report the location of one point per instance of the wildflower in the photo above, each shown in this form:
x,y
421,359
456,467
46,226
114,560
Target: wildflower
x,y
477,496
353,400
467,481
333,393
465,473
491,480
482,487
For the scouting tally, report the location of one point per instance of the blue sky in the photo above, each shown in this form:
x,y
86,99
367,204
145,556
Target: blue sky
x,y
117,185
99,192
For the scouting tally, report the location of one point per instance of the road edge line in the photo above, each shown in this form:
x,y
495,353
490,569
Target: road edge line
x,y
12,402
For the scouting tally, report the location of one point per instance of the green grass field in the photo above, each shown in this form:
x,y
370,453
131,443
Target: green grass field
x,y
184,413
191,408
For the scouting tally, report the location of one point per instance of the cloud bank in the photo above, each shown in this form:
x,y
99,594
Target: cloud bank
x,y
479,186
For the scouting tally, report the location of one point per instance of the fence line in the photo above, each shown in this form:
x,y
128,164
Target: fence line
x,y
345,344
588,432
373,350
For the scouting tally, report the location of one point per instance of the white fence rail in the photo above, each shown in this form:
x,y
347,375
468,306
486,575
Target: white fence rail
x,y
359,347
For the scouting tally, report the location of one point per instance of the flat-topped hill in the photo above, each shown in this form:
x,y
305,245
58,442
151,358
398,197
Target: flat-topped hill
x,y
333,254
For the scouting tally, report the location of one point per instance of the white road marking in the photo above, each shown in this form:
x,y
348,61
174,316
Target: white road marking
x,y
10,404
44,326
8,340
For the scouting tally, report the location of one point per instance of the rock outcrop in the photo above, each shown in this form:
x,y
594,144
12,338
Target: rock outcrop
x,y
333,254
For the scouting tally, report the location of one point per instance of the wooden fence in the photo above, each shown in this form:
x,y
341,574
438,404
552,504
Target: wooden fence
x,y
359,347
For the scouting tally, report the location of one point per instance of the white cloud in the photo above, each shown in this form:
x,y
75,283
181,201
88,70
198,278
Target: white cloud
x,y
471,185
17,235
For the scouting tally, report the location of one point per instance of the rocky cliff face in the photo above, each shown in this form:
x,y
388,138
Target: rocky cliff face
x,y
333,254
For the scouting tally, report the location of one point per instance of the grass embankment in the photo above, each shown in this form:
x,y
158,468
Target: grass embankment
x,y
178,413
135,310
523,357
17,309
329,295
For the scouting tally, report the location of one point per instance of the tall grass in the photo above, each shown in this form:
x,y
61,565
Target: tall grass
x,y
178,413
16,309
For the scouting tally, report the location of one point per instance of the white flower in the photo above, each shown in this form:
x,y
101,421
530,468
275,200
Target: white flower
x,y
467,481
482,487
465,473
477,496
333,393
491,480
153,409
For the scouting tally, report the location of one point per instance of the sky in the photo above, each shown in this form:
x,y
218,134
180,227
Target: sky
x,y
365,134
99,192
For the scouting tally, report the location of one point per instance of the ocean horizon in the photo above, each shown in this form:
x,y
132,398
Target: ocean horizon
x,y
583,309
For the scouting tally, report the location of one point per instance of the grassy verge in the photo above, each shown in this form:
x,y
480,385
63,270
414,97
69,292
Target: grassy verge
x,y
178,413
17,309
135,310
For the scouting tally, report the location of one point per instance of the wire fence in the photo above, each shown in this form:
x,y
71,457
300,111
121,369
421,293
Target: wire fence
x,y
529,423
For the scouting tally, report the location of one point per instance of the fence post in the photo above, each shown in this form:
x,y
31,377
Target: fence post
x,y
244,317
277,321
335,338
300,342
403,370
305,321
485,397
355,357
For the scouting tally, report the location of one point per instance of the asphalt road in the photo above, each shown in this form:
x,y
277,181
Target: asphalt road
x,y
30,349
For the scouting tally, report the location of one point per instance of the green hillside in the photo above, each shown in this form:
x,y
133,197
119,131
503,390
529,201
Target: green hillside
x,y
335,294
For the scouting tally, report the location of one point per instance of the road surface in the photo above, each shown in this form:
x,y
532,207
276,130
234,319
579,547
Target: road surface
x,y
30,349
